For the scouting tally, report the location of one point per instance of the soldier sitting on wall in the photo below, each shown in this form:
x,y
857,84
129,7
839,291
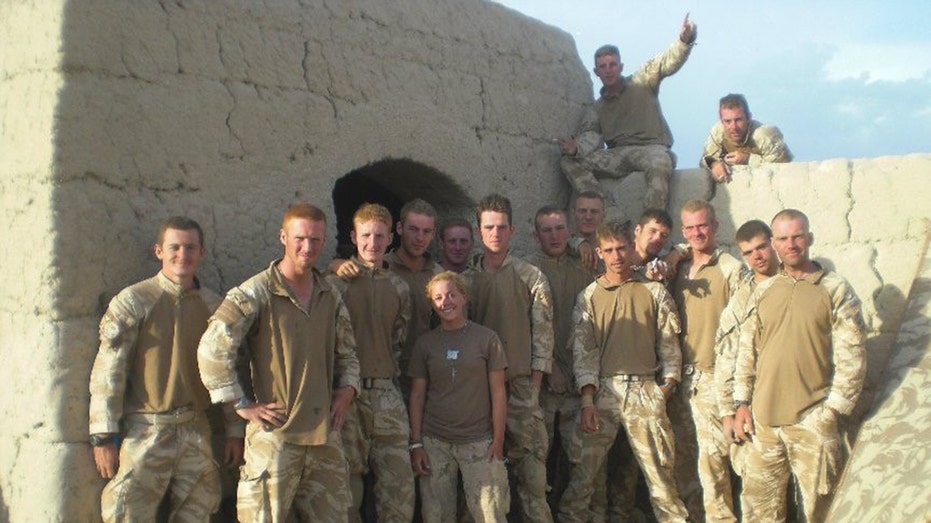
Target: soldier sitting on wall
x,y
145,387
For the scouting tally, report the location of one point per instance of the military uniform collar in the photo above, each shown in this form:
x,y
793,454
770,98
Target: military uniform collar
x,y
394,259
813,278
279,287
173,288
634,277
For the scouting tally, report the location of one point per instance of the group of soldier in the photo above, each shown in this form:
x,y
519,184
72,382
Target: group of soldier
x,y
413,370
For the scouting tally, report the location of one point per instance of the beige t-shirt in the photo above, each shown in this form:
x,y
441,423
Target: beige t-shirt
x,y
456,365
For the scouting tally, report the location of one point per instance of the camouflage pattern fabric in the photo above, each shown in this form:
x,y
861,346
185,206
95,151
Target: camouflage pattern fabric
x,y
310,481
763,144
639,409
485,484
653,160
526,448
811,449
375,436
159,453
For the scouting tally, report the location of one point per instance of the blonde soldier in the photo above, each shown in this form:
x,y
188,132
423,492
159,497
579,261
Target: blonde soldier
x,y
458,410
703,285
512,297
567,278
801,363
738,140
300,347
377,428
588,212
145,388
414,264
626,330
625,130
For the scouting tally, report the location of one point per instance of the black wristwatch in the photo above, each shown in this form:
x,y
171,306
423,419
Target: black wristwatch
x,y
242,403
740,403
99,440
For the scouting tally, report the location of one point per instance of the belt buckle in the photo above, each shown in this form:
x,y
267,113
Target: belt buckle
x,y
368,383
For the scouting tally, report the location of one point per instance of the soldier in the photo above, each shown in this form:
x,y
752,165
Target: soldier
x,y
512,297
377,427
455,244
458,410
801,363
300,347
625,331
145,388
738,140
703,285
414,264
567,278
588,212
625,130
650,237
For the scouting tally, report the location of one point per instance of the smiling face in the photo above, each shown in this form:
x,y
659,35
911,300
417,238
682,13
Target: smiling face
x,y
416,234
371,239
699,229
180,253
552,233
496,231
303,241
449,302
651,238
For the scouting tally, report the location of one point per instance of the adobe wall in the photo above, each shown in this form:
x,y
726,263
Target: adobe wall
x,y
115,115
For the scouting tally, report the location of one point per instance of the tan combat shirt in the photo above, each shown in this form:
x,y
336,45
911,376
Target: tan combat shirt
x,y
700,301
420,305
626,328
633,116
763,144
515,302
802,343
147,361
298,356
567,278
379,304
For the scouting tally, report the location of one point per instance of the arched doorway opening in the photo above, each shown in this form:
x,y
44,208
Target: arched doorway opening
x,y
393,182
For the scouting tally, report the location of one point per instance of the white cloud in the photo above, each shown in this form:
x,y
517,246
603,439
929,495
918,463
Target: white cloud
x,y
880,62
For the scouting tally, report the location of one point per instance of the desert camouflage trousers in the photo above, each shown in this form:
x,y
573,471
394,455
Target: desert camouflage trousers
x,y
655,161
810,450
278,477
375,437
635,404
703,465
159,453
485,484
526,448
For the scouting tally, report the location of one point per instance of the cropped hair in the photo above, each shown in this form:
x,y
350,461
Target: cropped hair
x,y
417,206
615,230
791,214
455,222
659,216
494,203
752,229
734,100
179,223
547,210
606,50
693,206
590,195
305,211
372,212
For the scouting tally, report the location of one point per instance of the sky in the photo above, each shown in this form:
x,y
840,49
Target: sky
x,y
841,79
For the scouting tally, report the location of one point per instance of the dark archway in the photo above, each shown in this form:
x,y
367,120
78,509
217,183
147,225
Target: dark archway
x,y
392,182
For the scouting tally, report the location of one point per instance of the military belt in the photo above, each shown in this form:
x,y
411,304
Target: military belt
x,y
378,383
177,416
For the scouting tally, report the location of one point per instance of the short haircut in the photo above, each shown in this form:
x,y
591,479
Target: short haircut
x,y
455,222
734,101
305,211
693,206
607,50
460,282
791,214
547,210
179,223
659,216
752,229
417,206
615,230
369,212
589,195
494,202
